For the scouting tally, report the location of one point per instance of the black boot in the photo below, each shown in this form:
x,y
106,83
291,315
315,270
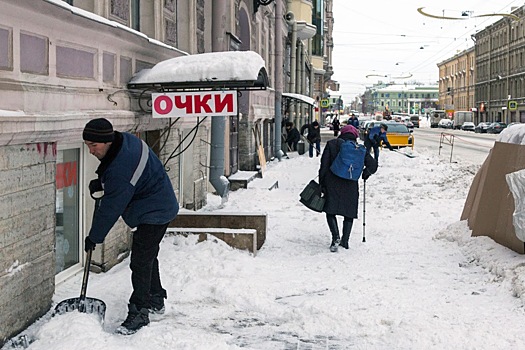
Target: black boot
x,y
157,303
347,228
137,318
332,224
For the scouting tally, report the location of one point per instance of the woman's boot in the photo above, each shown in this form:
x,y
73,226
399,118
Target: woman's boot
x,y
332,225
347,228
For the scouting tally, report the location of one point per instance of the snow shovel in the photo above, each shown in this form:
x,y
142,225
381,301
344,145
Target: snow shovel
x,y
82,303
405,154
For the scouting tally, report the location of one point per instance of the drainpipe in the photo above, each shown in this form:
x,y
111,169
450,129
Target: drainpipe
x,y
290,19
217,159
312,77
218,123
302,79
278,78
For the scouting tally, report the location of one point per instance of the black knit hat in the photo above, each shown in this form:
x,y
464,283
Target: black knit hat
x,y
98,130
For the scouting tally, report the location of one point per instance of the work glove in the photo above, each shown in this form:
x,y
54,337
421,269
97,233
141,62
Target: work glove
x,y
95,186
365,175
89,245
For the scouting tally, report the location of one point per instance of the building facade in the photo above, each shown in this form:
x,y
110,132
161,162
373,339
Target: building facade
x,y
500,58
457,82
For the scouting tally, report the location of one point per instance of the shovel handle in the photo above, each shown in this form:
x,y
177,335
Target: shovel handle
x,y
87,265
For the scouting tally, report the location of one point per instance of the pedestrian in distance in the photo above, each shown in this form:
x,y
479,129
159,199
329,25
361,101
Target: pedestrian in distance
x,y
376,136
292,136
137,188
354,121
336,125
341,195
313,137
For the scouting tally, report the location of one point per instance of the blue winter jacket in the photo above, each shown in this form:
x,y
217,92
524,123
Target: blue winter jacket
x,y
375,136
354,122
136,187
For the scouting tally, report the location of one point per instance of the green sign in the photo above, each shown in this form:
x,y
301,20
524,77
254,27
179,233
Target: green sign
x,y
325,103
513,105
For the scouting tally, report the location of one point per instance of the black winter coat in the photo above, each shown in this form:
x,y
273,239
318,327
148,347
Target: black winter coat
x,y
293,135
342,196
314,134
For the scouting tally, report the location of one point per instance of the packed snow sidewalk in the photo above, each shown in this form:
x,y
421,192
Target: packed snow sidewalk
x,y
419,282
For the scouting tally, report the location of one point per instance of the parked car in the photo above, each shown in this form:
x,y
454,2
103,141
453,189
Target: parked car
x,y
496,128
468,126
399,135
415,120
481,128
513,123
446,123
409,124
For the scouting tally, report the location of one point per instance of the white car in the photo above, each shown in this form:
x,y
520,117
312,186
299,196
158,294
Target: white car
x,y
446,123
468,126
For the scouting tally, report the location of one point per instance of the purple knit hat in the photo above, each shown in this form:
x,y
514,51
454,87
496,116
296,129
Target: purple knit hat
x,y
350,129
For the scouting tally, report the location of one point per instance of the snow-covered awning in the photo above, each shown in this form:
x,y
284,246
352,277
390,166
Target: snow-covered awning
x,y
243,70
302,98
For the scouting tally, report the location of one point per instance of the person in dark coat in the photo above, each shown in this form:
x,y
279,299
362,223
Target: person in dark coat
x,y
342,195
292,136
353,121
336,125
313,137
136,188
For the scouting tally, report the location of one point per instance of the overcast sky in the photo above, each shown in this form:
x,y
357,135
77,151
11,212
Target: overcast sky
x,y
386,39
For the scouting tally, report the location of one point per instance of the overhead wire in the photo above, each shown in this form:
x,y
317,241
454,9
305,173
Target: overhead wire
x,y
453,42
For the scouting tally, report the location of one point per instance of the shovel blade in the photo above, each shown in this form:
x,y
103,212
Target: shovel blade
x,y
87,305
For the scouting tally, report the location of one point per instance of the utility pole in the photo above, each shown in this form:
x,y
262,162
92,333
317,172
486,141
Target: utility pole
x,y
278,78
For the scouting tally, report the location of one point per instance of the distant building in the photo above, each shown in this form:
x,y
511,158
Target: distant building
x,y
398,98
456,82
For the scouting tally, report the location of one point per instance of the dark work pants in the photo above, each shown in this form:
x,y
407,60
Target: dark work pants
x,y
144,265
369,145
317,148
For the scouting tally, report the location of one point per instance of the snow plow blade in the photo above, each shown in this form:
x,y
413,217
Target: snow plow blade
x,y
82,303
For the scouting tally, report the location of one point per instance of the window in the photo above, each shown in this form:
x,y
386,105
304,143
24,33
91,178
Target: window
x,y
318,21
67,209
135,14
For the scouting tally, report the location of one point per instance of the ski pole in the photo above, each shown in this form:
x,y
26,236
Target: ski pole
x,y
364,209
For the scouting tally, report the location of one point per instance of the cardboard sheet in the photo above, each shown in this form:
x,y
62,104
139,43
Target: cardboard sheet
x,y
490,204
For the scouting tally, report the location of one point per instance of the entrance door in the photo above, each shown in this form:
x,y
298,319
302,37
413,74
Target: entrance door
x,y
67,211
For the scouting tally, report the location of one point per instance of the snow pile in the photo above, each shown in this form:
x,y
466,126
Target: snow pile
x,y
513,134
419,282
